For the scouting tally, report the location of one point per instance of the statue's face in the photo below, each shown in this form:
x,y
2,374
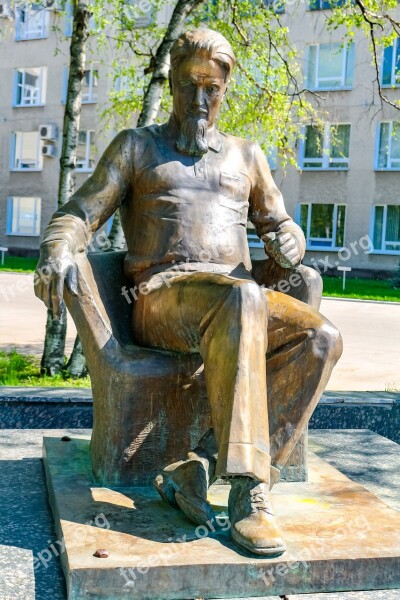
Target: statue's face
x,y
198,88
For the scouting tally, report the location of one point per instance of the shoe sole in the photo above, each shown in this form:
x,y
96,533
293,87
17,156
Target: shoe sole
x,y
198,511
164,495
270,552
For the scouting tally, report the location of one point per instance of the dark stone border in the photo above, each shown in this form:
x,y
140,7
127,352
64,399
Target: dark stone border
x,y
377,411
57,408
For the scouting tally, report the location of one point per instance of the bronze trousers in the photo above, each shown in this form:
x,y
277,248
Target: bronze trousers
x,y
267,359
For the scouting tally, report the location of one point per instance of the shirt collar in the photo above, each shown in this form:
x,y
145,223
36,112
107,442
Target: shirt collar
x,y
170,131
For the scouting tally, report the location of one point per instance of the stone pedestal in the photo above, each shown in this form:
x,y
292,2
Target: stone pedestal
x,y
339,537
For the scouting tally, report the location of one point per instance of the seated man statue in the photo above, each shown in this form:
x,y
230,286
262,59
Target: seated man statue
x,y
185,191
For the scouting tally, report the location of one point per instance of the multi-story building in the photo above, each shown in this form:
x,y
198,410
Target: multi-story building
x,y
345,190
343,193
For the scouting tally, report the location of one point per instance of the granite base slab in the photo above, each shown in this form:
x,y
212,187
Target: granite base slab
x,y
340,537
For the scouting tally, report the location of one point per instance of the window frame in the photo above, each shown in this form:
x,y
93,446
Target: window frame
x,y
382,249
41,87
377,144
309,246
393,83
85,100
326,158
36,218
44,30
86,168
314,85
253,241
13,150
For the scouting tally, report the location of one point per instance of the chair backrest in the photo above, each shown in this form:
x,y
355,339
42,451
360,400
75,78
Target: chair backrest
x,y
108,272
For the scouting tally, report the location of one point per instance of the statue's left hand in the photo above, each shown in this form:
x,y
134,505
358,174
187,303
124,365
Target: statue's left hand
x,y
284,247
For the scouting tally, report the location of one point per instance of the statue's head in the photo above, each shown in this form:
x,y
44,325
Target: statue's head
x,y
201,65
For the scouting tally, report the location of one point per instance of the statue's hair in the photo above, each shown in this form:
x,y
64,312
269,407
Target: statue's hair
x,y
205,42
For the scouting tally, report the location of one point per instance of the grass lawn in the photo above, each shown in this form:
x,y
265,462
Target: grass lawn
x,y
20,369
365,289
19,264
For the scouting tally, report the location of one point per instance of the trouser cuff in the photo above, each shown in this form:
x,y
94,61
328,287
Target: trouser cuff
x,y
243,459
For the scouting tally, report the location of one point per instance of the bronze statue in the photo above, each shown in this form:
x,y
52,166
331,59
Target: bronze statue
x,y
185,191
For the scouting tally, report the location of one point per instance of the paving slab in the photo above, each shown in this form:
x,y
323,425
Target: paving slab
x,y
365,457
332,541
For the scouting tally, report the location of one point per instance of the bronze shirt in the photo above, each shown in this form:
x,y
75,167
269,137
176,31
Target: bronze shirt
x,y
176,209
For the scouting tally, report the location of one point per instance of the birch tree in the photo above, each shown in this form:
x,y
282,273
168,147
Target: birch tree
x,y
52,361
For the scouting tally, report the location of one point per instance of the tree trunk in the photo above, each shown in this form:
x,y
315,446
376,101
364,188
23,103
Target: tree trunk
x,y
160,63
116,237
53,354
54,346
76,365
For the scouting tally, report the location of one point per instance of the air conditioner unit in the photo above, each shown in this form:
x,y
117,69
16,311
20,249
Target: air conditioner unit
x,y
49,150
48,132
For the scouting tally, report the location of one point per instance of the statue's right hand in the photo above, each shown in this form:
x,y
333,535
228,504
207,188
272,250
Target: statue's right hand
x,y
56,266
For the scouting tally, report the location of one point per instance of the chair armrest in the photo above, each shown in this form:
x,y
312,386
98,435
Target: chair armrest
x,y
88,311
301,282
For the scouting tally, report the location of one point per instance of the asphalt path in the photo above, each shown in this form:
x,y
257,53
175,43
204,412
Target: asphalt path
x,y
370,330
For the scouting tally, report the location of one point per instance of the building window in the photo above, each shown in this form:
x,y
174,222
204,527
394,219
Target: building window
x,y
23,215
85,151
122,79
26,151
278,6
272,158
322,224
69,20
30,87
31,23
90,84
390,70
327,4
388,146
330,66
136,14
386,229
325,147
252,238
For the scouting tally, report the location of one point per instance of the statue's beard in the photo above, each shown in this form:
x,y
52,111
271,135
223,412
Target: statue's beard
x,y
192,138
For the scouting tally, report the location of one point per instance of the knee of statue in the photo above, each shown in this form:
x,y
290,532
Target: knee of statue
x,y
248,295
311,278
328,342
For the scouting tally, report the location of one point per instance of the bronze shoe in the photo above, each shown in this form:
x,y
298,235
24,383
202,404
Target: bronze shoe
x,y
184,484
253,524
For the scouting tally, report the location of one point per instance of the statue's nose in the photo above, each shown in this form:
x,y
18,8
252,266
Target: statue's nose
x,y
198,99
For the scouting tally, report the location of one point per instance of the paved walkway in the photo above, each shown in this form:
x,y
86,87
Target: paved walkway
x,y
371,334
23,316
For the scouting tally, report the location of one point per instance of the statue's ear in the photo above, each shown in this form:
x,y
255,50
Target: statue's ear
x,y
170,82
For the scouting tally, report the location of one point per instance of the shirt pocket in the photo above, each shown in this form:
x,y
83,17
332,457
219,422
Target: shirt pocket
x,y
232,186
